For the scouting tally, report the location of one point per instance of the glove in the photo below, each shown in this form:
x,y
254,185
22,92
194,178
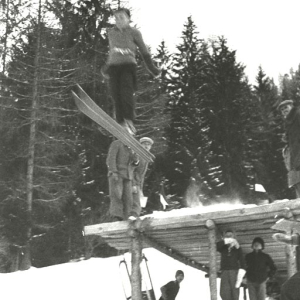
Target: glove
x,y
228,241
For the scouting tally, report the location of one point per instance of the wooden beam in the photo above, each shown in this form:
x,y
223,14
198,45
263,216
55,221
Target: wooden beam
x,y
136,259
172,253
210,224
220,218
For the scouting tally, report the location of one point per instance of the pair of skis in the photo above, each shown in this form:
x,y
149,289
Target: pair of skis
x,y
148,292
87,106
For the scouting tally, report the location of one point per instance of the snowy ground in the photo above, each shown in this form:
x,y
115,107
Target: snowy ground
x,y
98,278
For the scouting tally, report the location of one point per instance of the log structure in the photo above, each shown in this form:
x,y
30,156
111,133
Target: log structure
x,y
191,238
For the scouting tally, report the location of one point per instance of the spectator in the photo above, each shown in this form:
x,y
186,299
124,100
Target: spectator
x,y
259,267
231,261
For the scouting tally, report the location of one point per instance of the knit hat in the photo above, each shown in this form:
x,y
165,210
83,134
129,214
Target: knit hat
x,y
260,241
179,272
285,102
123,9
146,140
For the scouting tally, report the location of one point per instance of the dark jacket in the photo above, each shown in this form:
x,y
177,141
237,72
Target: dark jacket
x,y
120,160
230,259
259,266
172,289
290,290
292,126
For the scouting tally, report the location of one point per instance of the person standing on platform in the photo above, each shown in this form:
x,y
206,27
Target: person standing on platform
x,y
120,68
139,176
231,261
121,161
171,289
259,267
291,153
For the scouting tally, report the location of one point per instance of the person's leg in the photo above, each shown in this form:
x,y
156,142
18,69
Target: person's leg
x,y
251,290
136,204
235,293
115,91
115,194
261,291
127,197
127,91
225,292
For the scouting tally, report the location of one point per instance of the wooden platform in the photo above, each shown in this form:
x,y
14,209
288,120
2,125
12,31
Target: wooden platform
x,y
185,238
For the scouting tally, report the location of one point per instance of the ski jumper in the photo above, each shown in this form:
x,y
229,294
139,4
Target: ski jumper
x,y
231,261
121,162
121,65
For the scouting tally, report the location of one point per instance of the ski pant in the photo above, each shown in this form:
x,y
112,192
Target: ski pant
x,y
121,198
257,291
122,82
228,291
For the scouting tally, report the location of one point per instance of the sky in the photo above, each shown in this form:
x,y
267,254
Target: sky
x,y
263,32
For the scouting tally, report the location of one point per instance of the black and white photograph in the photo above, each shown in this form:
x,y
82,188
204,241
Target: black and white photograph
x,y
149,150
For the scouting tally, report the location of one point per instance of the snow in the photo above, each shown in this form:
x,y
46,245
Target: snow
x,y
224,206
99,278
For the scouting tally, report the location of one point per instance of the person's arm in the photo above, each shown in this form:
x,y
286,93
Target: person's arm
x,y
220,245
145,53
164,290
272,266
241,258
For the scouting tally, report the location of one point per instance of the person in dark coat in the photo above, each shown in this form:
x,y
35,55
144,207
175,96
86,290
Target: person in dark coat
x,y
290,290
171,289
291,152
231,261
121,162
259,267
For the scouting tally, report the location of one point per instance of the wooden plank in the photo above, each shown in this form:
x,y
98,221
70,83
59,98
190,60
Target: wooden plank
x,y
170,252
221,217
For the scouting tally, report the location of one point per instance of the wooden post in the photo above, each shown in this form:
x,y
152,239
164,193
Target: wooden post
x,y
290,250
291,255
136,258
212,259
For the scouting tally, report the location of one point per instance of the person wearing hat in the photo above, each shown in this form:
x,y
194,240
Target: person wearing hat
x,y
259,267
232,261
138,179
121,162
171,289
120,68
291,152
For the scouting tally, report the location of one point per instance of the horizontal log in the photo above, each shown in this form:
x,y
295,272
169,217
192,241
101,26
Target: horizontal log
x,y
219,217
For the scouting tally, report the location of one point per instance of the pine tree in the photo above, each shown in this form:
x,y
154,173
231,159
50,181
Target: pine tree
x,y
224,166
267,131
184,137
